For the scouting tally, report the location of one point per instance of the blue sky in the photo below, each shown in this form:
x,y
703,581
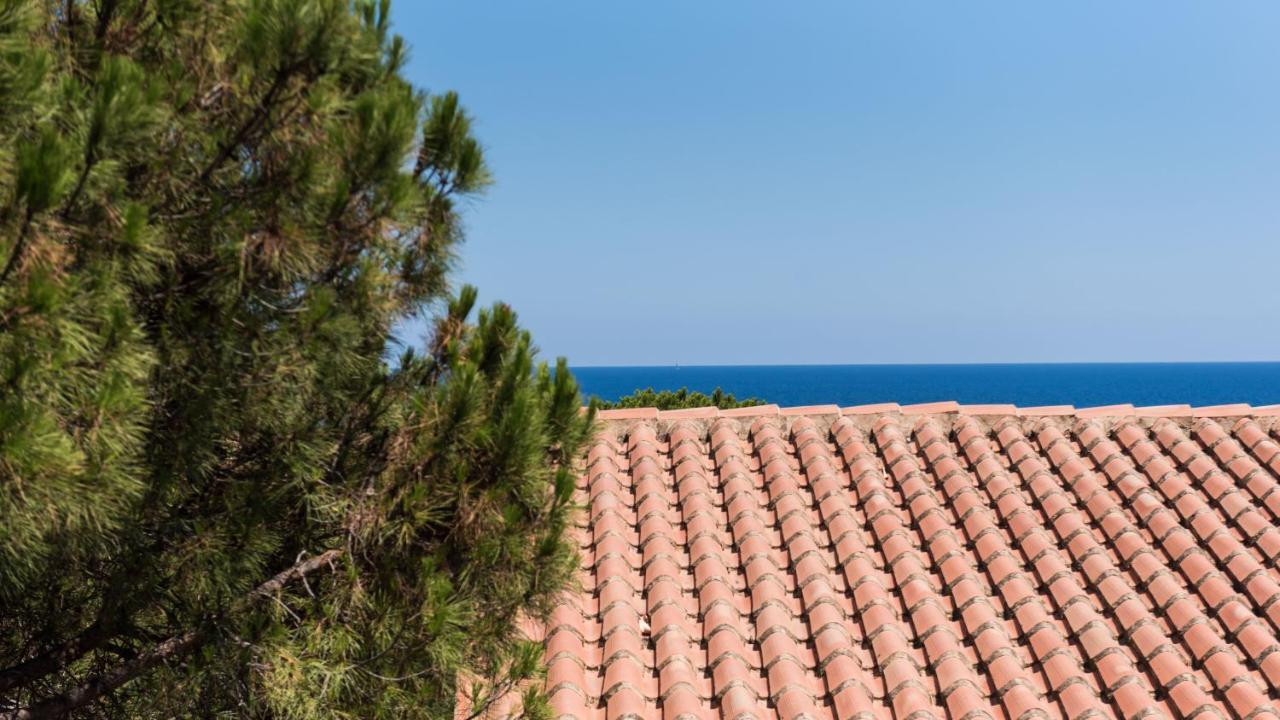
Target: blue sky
x,y
745,182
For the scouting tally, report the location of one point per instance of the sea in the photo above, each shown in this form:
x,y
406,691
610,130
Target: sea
x,y
1026,385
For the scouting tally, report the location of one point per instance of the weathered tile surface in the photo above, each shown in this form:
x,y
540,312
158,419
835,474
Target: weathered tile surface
x,y
922,561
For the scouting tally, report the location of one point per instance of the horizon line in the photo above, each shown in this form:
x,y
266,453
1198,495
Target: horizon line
x,y
677,366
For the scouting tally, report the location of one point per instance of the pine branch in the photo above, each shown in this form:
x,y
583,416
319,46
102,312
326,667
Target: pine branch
x,y
105,10
260,114
55,659
19,247
497,692
107,682
173,647
101,632
297,571
89,161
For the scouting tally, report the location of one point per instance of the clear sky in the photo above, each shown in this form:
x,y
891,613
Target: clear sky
x,y
741,182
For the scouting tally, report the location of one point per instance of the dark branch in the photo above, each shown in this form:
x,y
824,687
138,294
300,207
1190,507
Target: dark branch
x,y
260,115
54,659
173,647
105,11
18,248
108,681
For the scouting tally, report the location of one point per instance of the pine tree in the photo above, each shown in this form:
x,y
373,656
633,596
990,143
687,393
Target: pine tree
x,y
220,493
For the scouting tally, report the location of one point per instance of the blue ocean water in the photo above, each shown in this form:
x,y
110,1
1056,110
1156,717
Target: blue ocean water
x,y
1079,384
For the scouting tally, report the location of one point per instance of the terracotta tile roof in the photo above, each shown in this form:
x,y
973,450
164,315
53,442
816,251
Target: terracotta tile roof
x,y
925,561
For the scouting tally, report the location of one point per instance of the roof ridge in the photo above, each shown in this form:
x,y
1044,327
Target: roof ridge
x,y
942,408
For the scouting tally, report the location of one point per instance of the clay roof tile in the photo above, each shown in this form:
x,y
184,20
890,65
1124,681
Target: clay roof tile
x,y
891,562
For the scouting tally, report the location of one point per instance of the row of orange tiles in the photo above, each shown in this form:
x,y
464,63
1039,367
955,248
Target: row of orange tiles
x,y
649,647
1149,411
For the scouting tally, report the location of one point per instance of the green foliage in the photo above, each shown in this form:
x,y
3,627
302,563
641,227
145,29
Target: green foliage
x,y
217,496
678,399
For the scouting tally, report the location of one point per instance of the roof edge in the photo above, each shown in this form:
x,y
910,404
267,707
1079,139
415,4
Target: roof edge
x,y
1230,410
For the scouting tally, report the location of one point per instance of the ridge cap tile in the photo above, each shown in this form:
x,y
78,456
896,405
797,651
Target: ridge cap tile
x,y
648,413
751,411
1159,411
709,411
1105,410
1266,410
872,409
930,408
1047,411
810,410
1226,410
989,409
